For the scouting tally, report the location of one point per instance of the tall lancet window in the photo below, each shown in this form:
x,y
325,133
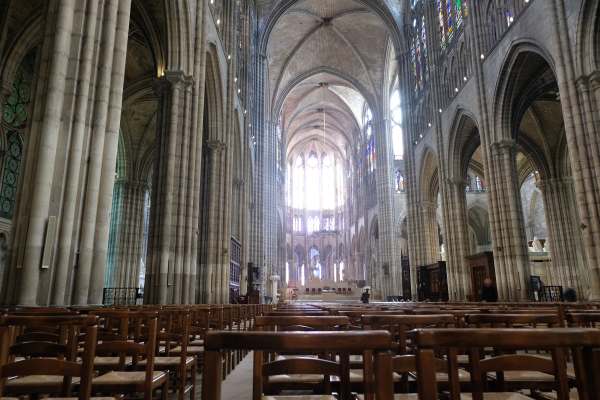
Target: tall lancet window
x,y
419,48
312,182
396,124
328,183
370,154
340,184
298,189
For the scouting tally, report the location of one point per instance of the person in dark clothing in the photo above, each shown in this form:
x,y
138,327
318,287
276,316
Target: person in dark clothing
x,y
570,295
365,297
489,293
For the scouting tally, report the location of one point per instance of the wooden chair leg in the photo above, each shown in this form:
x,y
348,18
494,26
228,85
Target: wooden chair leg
x,y
164,395
193,377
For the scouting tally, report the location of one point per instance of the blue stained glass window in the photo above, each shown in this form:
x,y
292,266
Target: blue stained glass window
x,y
10,175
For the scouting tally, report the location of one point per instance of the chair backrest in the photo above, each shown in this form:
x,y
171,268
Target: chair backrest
x,y
50,358
584,319
400,325
290,313
175,331
584,345
301,365
371,343
513,320
356,315
305,323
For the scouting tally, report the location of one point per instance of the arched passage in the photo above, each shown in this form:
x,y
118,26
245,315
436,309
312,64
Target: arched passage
x,y
530,143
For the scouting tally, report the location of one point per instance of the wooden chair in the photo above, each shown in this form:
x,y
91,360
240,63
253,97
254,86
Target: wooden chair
x,y
374,344
120,382
176,333
584,319
43,367
399,327
407,364
114,326
584,344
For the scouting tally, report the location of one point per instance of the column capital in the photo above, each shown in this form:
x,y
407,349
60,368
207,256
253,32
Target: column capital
x,y
595,80
583,83
503,146
169,80
175,77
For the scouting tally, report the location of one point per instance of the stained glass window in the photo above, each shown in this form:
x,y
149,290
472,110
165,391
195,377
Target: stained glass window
x,y
312,182
400,182
370,147
419,53
317,183
15,117
371,155
396,124
10,176
478,184
298,189
450,15
340,184
328,175
442,22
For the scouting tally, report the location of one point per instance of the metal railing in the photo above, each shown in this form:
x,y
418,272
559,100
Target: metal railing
x,y
122,296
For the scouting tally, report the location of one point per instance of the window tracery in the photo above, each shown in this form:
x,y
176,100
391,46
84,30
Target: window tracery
x,y
15,119
419,52
370,154
450,17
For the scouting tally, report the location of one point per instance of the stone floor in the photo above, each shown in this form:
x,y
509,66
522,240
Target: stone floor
x,y
238,384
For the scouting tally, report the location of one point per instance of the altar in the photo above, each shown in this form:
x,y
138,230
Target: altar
x,y
323,289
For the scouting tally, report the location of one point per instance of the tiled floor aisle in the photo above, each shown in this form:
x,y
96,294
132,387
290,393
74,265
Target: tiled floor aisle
x,y
238,385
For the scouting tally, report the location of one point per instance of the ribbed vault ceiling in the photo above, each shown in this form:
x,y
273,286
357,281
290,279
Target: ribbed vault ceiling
x,y
319,53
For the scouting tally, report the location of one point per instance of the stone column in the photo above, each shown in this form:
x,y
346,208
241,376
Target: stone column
x,y
212,262
130,238
389,258
77,101
430,228
580,111
109,156
511,257
198,99
103,152
564,237
47,120
82,104
457,242
169,249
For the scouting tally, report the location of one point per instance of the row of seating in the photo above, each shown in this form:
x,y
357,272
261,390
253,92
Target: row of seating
x,y
501,352
136,352
406,351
